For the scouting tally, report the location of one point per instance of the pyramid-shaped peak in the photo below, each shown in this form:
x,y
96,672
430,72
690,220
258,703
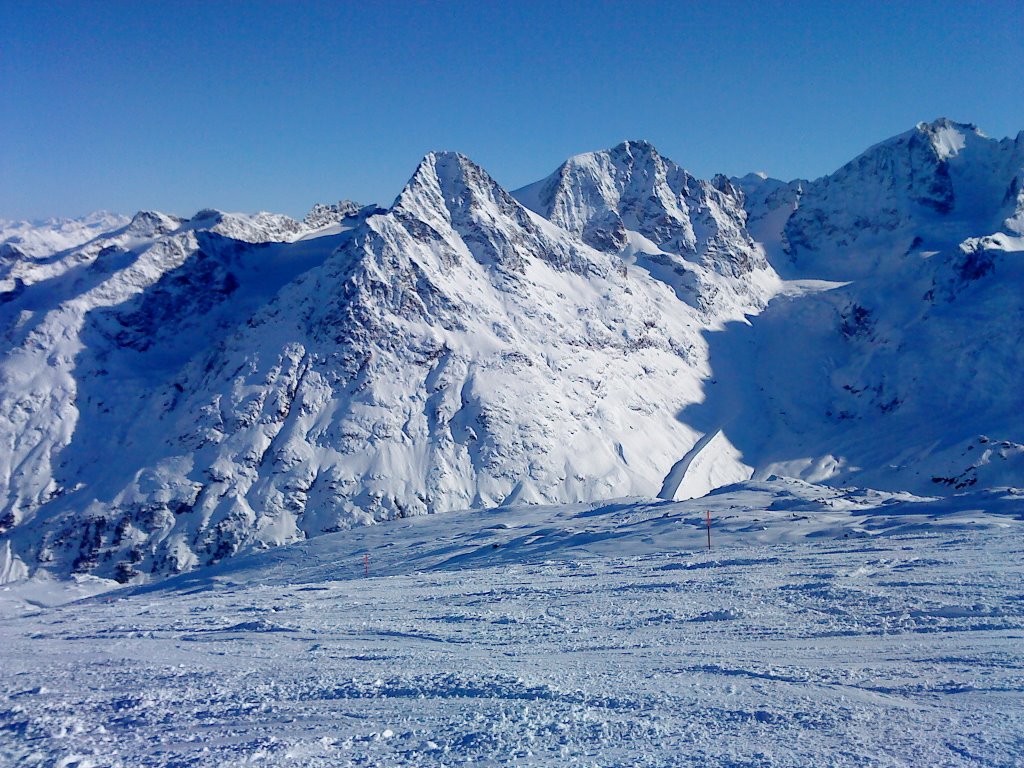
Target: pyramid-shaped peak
x,y
457,173
450,159
446,179
149,223
438,168
442,165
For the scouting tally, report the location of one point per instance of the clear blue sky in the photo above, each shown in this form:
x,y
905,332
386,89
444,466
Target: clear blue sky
x,y
246,106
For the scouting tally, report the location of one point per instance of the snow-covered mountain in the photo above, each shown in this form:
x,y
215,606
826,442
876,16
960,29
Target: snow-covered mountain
x,y
174,391
33,239
688,233
904,374
928,189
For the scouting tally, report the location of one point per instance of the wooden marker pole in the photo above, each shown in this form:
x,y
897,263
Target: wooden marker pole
x,y
709,530
366,564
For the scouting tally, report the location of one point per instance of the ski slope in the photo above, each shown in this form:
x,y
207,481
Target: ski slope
x,y
826,627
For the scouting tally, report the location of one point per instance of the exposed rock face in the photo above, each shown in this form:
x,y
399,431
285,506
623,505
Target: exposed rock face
x,y
341,212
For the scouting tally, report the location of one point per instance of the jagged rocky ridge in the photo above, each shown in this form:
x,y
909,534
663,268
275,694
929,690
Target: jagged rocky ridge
x,y
175,391
341,213
687,232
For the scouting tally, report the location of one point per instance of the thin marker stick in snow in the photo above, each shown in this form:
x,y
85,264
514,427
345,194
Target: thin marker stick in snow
x,y
366,565
709,530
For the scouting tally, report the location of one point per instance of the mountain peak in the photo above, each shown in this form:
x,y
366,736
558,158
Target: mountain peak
x,y
445,183
152,223
631,201
948,137
457,175
424,180
944,123
440,163
447,158
634,148
618,159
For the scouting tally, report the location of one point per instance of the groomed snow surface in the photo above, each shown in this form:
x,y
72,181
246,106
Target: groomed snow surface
x,y
825,628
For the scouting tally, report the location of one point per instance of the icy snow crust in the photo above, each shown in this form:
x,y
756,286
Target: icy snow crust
x,y
826,627
175,392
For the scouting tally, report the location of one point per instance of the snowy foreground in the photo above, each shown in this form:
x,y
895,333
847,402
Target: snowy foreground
x,y
825,628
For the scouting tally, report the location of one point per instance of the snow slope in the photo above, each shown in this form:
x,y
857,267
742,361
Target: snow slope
x,y
826,627
901,374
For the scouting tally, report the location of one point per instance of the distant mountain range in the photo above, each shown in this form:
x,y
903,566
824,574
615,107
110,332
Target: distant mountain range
x,y
176,391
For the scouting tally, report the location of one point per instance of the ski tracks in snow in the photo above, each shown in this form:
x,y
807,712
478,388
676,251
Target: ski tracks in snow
x,y
893,650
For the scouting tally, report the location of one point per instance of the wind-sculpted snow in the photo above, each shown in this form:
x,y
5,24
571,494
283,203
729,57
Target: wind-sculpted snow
x,y
826,627
174,392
